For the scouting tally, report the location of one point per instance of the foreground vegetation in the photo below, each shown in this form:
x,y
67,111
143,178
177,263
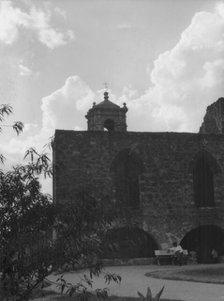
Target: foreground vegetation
x,y
28,218
93,298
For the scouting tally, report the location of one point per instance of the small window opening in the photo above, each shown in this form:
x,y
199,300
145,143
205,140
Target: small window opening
x,y
109,125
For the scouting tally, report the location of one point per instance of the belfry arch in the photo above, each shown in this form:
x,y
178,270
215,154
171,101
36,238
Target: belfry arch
x,y
109,125
126,169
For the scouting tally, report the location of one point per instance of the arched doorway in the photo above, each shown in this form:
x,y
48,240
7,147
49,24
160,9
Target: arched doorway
x,y
128,242
202,240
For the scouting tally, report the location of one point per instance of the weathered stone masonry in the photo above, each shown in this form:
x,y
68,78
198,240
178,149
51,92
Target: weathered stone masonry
x,y
167,209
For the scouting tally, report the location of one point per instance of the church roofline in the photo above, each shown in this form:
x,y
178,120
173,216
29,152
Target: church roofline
x,y
204,135
105,104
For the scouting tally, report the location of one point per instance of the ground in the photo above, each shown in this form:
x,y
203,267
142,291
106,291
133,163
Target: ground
x,y
134,279
197,273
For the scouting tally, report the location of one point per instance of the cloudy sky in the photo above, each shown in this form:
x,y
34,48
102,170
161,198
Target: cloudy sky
x,y
164,58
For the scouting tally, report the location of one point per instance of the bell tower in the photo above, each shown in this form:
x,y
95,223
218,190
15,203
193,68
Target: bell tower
x,y
107,116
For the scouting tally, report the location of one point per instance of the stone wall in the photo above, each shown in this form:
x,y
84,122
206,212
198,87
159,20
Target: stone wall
x,y
167,210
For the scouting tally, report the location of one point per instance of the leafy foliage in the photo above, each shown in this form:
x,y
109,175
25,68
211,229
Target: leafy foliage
x,y
6,110
112,277
81,226
149,296
2,158
26,216
18,127
39,163
83,287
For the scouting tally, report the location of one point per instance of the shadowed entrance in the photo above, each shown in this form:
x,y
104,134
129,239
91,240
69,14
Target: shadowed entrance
x,y
129,243
202,240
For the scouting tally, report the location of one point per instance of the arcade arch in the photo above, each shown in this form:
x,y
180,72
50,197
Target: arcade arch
x,y
128,242
202,240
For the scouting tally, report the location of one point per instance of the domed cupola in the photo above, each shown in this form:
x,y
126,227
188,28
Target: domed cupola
x,y
107,116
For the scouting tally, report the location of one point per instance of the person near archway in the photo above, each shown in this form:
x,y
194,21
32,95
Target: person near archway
x,y
178,253
214,256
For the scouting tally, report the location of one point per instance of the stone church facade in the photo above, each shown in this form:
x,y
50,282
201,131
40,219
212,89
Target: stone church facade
x,y
173,183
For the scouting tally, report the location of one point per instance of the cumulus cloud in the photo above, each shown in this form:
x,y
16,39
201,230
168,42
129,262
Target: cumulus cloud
x,y
29,126
182,82
12,19
65,108
24,70
185,79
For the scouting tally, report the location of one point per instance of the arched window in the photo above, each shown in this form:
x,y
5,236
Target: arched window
x,y
126,169
109,125
204,167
